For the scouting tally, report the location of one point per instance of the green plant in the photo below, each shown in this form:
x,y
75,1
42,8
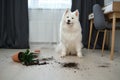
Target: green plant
x,y
27,57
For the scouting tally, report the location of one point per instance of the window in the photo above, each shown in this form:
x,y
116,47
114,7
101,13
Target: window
x,y
49,4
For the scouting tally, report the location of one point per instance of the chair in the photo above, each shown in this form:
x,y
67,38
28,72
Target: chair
x,y
100,24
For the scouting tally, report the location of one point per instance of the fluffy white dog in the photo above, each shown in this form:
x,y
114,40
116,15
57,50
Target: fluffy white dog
x,y
70,34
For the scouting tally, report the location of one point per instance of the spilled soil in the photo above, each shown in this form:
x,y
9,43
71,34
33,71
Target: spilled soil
x,y
47,59
104,66
43,60
43,63
70,65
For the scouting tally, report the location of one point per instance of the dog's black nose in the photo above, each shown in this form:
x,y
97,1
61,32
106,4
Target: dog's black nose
x,y
68,21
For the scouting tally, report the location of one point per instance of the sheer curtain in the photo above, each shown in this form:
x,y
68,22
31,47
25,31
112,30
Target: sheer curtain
x,y
49,4
45,16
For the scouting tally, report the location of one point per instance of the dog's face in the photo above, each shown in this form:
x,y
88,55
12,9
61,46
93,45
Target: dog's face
x,y
71,17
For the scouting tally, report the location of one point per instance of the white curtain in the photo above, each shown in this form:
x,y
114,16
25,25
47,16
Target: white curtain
x,y
49,4
44,17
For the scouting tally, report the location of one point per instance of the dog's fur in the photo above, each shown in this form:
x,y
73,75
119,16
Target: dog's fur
x,y
70,34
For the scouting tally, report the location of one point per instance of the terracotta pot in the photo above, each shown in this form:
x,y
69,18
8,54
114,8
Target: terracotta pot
x,y
37,51
15,57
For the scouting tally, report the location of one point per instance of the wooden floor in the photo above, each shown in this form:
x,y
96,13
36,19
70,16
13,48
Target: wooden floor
x,y
91,67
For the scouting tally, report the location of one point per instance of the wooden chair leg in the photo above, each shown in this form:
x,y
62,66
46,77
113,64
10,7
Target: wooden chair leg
x,y
103,44
96,39
90,33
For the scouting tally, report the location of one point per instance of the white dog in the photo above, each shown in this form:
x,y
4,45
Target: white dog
x,y
70,34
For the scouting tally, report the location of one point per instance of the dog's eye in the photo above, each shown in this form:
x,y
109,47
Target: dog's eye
x,y
67,16
72,18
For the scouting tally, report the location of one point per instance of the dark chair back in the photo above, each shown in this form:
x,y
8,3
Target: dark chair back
x,y
99,19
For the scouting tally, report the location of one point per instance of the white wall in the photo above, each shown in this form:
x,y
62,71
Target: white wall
x,y
44,25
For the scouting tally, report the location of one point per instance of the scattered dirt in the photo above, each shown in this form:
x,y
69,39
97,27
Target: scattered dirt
x,y
104,66
70,65
74,71
43,63
47,59
43,60
57,62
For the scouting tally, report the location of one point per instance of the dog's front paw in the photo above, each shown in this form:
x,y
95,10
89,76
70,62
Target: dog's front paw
x,y
79,55
63,55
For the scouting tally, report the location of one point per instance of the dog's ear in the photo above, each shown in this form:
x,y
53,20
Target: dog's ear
x,y
67,10
77,13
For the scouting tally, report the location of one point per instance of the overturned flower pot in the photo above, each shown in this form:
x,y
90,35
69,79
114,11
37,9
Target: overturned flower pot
x,y
24,56
16,57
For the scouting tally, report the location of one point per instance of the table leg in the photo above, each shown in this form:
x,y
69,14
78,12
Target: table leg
x,y
113,36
